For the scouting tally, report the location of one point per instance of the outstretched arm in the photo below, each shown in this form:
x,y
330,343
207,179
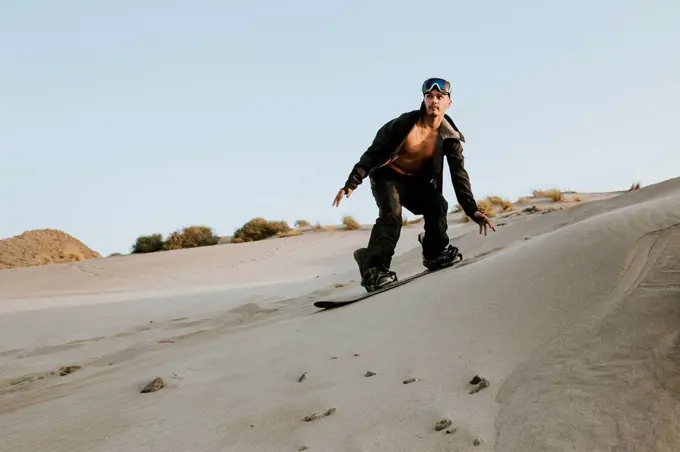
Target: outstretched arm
x,y
461,185
461,179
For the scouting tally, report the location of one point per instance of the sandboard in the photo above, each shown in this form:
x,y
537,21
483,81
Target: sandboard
x,y
330,304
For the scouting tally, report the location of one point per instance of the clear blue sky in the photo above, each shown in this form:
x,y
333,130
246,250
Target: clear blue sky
x,y
121,118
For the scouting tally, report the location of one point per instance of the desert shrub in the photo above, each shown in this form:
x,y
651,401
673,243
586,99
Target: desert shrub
x,y
504,204
635,186
555,194
350,223
148,244
301,223
259,229
191,237
486,208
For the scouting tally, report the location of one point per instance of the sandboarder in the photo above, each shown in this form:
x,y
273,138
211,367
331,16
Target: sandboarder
x,y
404,164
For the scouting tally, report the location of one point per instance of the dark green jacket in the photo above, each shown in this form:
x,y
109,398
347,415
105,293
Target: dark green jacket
x,y
388,141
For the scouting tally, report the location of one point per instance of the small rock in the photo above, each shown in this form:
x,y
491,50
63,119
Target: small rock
x,y
480,384
369,373
451,431
441,425
410,380
356,354
315,416
154,385
475,380
68,370
477,442
303,448
334,357
302,377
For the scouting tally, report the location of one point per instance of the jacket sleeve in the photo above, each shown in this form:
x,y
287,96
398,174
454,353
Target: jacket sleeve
x,y
461,179
377,152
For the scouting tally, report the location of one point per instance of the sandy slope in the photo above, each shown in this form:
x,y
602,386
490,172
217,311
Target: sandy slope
x,y
572,317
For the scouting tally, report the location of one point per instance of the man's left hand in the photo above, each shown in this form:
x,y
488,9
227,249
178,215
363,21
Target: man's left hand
x,y
483,221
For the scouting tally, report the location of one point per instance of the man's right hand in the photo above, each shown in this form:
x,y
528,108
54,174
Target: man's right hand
x,y
483,221
343,192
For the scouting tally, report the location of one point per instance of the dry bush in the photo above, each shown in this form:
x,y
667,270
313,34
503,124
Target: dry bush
x,y
350,223
301,223
148,244
635,186
191,237
507,206
504,204
259,229
486,208
555,194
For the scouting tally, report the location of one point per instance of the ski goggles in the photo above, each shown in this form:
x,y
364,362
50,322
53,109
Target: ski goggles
x,y
436,83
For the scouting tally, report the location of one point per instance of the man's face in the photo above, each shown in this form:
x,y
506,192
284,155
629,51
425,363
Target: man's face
x,y
436,103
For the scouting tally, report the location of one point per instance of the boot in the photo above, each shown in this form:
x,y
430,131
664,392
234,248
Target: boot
x,y
372,278
446,258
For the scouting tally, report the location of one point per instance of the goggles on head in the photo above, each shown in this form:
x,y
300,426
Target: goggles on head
x,y
436,83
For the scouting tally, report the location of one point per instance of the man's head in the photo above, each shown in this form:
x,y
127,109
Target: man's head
x,y
436,96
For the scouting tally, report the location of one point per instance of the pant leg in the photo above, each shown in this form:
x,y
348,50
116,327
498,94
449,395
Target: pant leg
x,y
386,187
421,198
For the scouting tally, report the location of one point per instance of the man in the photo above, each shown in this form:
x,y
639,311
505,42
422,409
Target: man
x,y
405,164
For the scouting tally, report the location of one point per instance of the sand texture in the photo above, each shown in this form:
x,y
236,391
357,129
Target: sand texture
x,y
558,333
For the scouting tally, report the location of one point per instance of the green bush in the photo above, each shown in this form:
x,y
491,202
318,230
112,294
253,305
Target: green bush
x,y
148,244
260,229
191,237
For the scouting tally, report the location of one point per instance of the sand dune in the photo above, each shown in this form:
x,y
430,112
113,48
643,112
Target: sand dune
x,y
572,317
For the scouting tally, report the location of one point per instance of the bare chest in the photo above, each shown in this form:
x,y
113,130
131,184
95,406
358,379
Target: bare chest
x,y
420,145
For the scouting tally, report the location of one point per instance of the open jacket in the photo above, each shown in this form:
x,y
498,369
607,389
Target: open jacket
x,y
388,141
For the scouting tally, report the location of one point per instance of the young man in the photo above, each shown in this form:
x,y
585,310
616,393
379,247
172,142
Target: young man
x,y
405,164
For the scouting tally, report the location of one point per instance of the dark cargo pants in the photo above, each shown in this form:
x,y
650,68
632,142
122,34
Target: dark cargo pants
x,y
392,192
